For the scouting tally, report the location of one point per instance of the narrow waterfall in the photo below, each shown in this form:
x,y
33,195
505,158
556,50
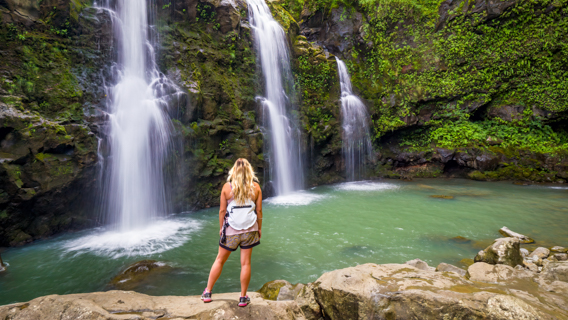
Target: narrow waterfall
x,y
357,146
286,172
138,134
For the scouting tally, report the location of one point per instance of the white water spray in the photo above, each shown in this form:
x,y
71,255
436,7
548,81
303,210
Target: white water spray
x,y
357,146
138,136
286,170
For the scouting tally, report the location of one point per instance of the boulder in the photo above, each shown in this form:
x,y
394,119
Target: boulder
x,y
135,274
280,290
558,249
540,252
2,265
484,272
442,267
555,271
307,302
506,232
561,256
419,264
524,252
393,291
502,251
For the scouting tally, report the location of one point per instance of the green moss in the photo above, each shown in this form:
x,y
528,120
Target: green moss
x,y
515,172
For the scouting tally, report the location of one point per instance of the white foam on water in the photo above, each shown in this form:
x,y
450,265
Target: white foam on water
x,y
559,188
365,186
298,198
160,236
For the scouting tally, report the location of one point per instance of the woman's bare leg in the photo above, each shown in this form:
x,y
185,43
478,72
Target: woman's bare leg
x,y
245,270
217,267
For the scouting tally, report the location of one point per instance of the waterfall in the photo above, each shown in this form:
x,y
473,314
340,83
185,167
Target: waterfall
x,y
357,146
139,129
286,172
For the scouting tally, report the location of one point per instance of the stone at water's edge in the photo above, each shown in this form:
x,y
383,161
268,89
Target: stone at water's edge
x,y
369,291
539,253
135,274
558,249
419,264
506,232
502,251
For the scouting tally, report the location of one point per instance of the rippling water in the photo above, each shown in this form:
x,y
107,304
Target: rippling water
x,y
304,235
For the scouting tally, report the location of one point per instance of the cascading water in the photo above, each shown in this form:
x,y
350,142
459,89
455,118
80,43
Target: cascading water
x,y
286,170
357,146
139,128
135,153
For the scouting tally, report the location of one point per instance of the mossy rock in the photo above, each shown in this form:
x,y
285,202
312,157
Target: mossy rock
x,y
460,239
137,273
270,290
439,196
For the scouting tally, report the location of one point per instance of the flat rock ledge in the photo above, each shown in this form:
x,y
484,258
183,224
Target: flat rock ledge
x,y
369,291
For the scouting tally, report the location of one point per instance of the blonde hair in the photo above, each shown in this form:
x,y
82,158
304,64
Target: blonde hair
x,y
241,177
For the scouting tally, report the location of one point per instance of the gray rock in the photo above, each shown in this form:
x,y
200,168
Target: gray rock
x,y
506,232
417,263
450,268
555,271
558,249
502,251
395,291
530,265
540,252
561,256
484,272
524,252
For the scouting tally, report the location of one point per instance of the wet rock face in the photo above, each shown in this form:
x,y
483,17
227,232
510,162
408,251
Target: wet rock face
x,y
336,30
503,251
49,119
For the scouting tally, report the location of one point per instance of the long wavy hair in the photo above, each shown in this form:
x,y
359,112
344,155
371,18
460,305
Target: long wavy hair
x,y
241,177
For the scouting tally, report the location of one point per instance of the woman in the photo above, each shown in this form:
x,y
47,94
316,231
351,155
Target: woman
x,y
240,222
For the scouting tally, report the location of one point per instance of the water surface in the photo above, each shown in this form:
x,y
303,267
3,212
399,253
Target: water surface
x,y
304,235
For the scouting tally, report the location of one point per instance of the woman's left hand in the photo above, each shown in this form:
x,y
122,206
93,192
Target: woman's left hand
x,y
220,232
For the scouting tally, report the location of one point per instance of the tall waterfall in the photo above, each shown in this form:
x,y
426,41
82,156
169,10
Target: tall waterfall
x,y
138,134
357,146
286,170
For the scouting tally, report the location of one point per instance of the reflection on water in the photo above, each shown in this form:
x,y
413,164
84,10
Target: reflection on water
x,y
304,234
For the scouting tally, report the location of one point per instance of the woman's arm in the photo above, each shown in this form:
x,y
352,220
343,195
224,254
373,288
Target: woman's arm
x,y
259,208
223,207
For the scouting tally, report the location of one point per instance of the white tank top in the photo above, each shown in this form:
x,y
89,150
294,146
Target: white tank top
x,y
241,217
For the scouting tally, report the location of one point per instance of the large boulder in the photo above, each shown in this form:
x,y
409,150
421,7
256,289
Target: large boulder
x,y
393,291
503,251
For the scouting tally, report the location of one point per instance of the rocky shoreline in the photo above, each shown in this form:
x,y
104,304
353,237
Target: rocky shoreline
x,y
504,282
